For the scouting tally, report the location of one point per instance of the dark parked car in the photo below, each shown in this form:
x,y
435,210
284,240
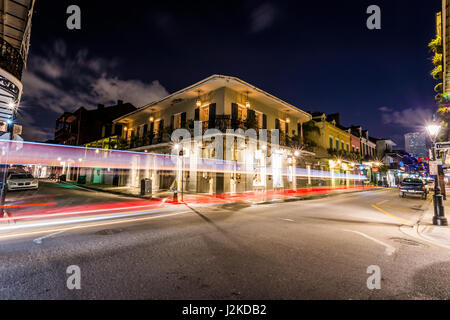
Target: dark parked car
x,y
414,187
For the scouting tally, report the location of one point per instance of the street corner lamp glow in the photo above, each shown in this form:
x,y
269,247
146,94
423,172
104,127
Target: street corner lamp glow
x,y
433,130
151,119
198,103
177,146
296,153
11,105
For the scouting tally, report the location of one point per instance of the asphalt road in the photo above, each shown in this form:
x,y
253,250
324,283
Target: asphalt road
x,y
62,195
313,249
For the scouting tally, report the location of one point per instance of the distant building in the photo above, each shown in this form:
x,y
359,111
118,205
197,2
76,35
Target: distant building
x,y
416,144
84,126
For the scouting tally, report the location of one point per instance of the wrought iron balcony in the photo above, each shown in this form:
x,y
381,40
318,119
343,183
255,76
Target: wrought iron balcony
x,y
10,59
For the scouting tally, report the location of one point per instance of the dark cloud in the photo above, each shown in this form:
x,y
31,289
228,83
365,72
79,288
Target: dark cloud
x,y
262,17
60,81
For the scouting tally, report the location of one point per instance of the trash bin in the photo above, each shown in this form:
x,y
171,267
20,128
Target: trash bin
x,y
81,180
146,187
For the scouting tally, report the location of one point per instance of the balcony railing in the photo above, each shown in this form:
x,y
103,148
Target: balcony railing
x,y
10,59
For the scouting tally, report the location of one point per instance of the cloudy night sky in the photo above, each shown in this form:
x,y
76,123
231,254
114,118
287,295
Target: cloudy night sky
x,y
316,55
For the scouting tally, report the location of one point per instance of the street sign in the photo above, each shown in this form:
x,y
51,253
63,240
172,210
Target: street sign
x,y
442,145
433,168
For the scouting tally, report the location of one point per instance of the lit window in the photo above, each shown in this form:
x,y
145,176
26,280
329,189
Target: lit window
x,y
204,114
242,113
177,121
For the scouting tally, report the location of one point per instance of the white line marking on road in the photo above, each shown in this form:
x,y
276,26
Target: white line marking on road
x,y
381,202
39,240
390,250
288,220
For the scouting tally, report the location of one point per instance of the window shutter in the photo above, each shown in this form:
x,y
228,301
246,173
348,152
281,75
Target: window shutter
x,y
234,111
145,129
172,121
161,127
234,115
287,128
212,116
251,115
277,124
183,120
197,114
264,121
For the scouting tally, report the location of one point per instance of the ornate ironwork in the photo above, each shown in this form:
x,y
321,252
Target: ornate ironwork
x,y
10,59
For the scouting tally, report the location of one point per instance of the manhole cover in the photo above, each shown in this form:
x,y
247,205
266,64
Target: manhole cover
x,y
108,232
408,242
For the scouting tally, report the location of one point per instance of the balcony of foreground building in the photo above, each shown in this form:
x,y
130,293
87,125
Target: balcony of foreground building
x,y
222,123
10,59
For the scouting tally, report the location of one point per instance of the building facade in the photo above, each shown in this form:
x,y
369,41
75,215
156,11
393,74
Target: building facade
x,y
16,17
222,104
92,127
416,144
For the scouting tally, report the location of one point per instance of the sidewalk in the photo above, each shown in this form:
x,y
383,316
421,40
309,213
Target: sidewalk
x,y
255,197
435,234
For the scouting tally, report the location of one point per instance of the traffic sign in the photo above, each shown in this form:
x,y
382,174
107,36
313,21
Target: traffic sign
x,y
433,168
442,145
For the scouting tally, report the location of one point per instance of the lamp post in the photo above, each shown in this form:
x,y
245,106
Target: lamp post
x,y
182,174
180,153
439,214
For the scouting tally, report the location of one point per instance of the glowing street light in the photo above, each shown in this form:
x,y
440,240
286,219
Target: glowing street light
x,y
433,131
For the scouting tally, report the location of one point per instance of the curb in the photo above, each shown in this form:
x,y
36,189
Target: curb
x,y
314,197
106,191
421,226
290,199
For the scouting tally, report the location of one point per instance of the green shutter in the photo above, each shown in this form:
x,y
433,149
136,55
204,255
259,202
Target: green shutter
x,y
212,116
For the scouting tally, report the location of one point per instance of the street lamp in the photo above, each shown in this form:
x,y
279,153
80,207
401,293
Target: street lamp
x,y
439,214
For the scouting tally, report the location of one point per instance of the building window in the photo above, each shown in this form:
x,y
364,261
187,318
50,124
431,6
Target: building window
x,y
204,114
156,127
337,144
283,127
342,145
259,119
331,142
348,148
177,121
242,113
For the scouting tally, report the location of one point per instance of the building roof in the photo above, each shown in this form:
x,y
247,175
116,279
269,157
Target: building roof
x,y
215,82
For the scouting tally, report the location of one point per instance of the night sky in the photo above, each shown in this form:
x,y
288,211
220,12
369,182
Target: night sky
x,y
316,55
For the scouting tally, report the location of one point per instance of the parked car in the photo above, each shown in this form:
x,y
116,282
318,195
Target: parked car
x,y
21,181
413,186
